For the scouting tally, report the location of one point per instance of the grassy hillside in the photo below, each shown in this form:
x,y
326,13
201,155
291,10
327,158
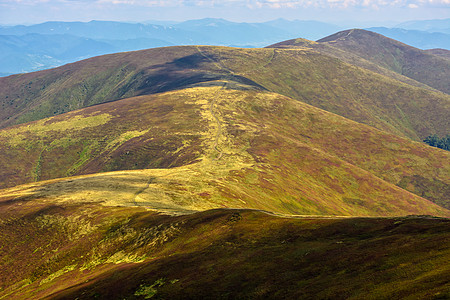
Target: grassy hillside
x,y
313,78
349,57
354,93
86,251
137,133
203,173
234,148
398,57
439,52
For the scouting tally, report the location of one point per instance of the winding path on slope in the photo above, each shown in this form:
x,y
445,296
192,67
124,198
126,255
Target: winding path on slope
x,y
213,109
219,124
140,191
212,105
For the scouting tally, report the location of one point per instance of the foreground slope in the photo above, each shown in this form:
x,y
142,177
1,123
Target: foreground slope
x,y
302,74
86,251
213,147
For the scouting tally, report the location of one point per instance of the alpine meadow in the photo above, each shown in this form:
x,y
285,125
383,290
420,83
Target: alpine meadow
x,y
293,171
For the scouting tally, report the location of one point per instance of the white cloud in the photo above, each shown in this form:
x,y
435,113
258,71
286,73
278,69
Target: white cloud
x,y
248,3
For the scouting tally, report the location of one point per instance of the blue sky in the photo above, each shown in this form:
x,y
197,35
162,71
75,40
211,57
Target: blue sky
x,y
355,12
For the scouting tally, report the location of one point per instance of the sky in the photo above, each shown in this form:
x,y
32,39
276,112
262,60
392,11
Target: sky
x,y
341,12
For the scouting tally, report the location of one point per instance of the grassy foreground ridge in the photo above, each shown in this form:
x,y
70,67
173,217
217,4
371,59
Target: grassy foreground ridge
x,y
67,251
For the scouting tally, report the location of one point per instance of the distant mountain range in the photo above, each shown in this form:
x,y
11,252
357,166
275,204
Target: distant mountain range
x,y
199,31
440,25
34,51
416,38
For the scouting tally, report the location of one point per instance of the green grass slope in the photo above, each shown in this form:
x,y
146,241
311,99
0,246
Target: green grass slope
x,y
406,60
348,57
305,75
52,250
349,91
209,147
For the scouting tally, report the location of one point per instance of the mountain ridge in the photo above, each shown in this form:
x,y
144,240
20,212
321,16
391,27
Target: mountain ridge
x,y
440,52
155,34
235,136
120,36
394,55
117,76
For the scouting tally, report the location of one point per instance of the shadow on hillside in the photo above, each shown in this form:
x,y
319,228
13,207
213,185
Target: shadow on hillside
x,y
189,71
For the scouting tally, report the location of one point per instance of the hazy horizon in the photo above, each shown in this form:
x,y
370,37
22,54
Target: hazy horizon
x,y
340,12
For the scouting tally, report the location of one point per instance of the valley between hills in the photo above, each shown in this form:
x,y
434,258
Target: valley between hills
x,y
295,171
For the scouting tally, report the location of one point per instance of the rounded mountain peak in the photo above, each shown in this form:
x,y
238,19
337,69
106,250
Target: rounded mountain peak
x,y
350,33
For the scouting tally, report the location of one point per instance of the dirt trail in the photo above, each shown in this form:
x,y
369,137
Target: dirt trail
x,y
213,108
219,64
140,191
219,124
271,58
